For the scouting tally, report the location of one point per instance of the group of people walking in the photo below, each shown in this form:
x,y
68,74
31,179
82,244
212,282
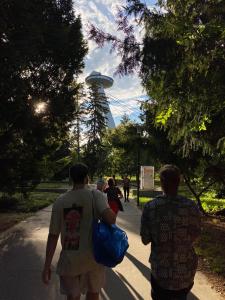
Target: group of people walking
x,y
171,223
113,192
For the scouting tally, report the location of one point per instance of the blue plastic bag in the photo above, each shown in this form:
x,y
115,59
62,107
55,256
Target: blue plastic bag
x,y
110,244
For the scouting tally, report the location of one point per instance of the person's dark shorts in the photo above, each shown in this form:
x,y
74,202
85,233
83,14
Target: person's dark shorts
x,y
158,293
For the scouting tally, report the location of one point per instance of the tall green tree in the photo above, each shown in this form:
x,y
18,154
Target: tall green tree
x,y
41,52
75,138
126,145
95,154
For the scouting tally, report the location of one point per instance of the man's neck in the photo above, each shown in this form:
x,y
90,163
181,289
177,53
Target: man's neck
x,y
78,186
170,193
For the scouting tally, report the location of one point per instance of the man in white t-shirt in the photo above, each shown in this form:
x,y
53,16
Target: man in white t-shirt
x,y
71,218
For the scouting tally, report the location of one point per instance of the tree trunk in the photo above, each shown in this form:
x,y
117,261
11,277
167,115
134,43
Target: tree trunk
x,y
197,197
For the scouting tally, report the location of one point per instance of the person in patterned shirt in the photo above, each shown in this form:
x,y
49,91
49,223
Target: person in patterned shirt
x,y
171,223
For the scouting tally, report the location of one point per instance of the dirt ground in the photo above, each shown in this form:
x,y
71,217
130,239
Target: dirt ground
x,y
217,281
215,228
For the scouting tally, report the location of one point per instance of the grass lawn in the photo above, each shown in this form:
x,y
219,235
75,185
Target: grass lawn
x,y
209,201
54,185
8,219
36,201
21,209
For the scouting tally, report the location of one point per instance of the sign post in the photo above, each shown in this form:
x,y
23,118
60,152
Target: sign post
x,y
147,178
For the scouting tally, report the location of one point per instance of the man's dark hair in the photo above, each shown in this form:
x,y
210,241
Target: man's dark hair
x,y
169,174
111,182
78,173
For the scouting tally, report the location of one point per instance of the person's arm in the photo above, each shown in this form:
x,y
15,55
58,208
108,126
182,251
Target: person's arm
x,y
145,226
54,231
102,208
104,186
50,251
108,216
120,194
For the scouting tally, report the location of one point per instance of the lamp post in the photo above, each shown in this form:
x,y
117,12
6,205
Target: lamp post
x,y
77,131
138,164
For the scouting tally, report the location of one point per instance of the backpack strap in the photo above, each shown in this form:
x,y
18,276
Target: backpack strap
x,y
92,201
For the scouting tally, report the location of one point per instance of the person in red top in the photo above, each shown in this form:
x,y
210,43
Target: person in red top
x,y
114,194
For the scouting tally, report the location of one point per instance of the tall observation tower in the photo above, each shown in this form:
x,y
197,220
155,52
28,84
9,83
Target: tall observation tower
x,y
103,82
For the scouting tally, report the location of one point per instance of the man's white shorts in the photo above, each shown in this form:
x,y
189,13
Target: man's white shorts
x,y
91,281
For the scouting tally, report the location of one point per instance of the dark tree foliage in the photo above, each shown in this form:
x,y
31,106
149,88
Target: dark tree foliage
x,y
194,168
41,51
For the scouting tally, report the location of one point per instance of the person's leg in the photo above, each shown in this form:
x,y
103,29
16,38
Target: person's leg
x,y
95,282
178,295
181,294
92,296
158,293
124,192
70,286
128,192
73,298
161,294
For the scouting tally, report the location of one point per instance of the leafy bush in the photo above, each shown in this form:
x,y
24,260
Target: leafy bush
x,y
7,202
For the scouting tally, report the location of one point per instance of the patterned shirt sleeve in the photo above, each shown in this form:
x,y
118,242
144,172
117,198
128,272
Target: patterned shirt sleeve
x,y
146,225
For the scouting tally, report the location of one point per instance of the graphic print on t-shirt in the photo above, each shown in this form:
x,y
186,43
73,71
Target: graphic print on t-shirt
x,y
72,219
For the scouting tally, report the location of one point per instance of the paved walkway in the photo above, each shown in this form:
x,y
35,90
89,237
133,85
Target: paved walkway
x,y
22,253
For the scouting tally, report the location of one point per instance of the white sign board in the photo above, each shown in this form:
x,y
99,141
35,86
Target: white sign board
x,y
147,178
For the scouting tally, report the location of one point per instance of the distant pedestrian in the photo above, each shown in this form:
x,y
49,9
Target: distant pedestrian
x,y
101,184
72,216
115,181
114,195
171,223
126,188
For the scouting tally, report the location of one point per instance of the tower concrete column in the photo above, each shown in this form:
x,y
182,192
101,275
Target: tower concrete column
x,y
103,82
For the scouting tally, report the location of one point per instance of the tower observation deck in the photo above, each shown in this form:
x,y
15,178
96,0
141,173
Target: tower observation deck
x,y
103,82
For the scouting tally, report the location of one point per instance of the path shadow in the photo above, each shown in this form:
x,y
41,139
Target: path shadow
x,y
140,266
21,262
20,270
147,273
191,296
116,287
138,296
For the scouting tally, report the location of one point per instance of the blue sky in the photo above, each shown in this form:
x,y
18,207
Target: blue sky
x,y
126,90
